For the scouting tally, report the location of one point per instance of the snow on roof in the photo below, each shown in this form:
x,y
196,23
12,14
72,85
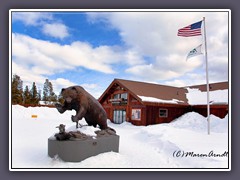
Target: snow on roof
x,y
197,97
156,100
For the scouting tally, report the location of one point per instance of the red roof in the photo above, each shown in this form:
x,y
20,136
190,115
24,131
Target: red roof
x,y
212,86
161,92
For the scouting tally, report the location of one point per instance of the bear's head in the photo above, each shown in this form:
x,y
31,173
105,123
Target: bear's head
x,y
69,94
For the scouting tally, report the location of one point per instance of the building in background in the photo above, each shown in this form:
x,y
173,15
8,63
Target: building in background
x,y
145,103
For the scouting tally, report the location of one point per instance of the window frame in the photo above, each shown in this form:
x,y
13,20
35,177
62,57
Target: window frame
x,y
166,113
136,111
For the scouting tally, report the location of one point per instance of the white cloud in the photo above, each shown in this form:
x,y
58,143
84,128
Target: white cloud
x,y
56,30
49,25
27,75
94,89
78,54
59,83
176,83
188,80
35,60
31,18
48,58
154,34
148,33
165,68
32,53
152,51
89,86
133,58
150,72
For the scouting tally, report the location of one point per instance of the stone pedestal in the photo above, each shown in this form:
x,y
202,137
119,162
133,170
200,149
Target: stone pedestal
x,y
76,150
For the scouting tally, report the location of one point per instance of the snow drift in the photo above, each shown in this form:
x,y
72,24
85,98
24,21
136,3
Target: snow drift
x,y
154,146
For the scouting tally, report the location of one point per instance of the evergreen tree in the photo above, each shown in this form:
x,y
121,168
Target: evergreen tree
x,y
53,96
34,94
27,96
60,99
46,90
39,95
48,93
17,90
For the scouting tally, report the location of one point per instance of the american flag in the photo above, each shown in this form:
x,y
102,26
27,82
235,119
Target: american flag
x,y
191,30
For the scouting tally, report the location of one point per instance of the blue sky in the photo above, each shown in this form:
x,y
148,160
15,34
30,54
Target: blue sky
x,y
92,48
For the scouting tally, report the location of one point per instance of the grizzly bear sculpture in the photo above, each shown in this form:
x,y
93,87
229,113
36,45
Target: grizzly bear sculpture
x,y
86,106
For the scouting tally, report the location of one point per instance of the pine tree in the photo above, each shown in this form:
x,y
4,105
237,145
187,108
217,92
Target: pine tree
x,y
48,93
60,99
39,95
34,94
46,90
52,95
27,96
17,90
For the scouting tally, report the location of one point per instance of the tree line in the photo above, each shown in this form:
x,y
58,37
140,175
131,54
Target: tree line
x,y
32,96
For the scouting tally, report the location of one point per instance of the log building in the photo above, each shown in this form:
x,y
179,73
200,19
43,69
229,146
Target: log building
x,y
145,103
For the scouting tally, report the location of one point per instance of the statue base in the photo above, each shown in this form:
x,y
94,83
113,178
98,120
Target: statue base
x,y
78,149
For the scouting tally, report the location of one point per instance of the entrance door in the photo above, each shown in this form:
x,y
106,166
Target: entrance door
x,y
119,116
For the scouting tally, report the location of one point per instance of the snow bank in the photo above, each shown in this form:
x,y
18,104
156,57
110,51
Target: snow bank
x,y
197,122
197,97
140,146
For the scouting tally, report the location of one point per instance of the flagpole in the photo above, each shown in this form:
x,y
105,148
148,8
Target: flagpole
x,y
206,58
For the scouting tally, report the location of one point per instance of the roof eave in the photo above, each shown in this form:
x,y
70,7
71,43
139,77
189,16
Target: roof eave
x,y
132,93
146,103
105,92
119,83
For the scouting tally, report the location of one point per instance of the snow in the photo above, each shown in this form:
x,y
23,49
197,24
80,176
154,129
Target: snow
x,y
194,121
156,100
154,146
194,97
197,97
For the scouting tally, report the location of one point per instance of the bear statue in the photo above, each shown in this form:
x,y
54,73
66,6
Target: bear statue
x,y
86,106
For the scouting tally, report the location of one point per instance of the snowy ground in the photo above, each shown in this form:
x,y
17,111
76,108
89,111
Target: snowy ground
x,y
173,145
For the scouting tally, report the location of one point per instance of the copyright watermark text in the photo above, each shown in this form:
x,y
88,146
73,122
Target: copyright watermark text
x,y
182,154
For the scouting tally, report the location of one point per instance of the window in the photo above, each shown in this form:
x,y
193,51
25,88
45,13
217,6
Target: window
x,y
116,96
120,99
163,113
136,114
116,99
124,96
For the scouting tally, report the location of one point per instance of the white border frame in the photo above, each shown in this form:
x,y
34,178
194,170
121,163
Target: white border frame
x,y
122,10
